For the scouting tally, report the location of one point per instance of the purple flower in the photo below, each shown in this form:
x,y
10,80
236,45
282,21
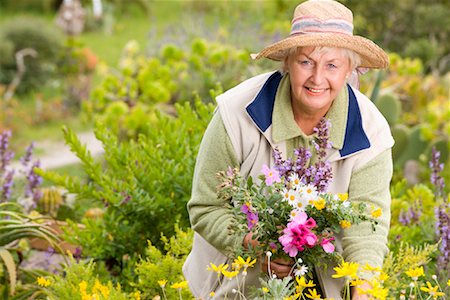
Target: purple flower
x,y
25,160
33,182
322,143
284,167
442,213
412,215
319,174
6,189
272,175
5,155
252,217
436,168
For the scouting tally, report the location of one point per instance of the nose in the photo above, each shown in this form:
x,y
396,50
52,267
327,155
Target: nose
x,y
317,75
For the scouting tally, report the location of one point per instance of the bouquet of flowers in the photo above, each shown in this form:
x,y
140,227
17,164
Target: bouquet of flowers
x,y
289,211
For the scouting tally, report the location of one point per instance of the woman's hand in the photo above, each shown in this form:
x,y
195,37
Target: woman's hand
x,y
279,266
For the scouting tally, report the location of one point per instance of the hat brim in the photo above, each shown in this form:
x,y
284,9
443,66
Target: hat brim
x,y
372,56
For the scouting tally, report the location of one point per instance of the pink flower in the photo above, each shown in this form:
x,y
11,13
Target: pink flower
x,y
298,235
327,246
272,175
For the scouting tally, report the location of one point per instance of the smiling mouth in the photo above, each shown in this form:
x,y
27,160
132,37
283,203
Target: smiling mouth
x,y
316,91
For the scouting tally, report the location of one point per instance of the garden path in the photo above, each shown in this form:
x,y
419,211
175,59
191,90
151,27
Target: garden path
x,y
57,154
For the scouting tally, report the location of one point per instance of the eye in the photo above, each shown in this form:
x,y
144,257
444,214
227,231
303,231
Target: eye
x,y
332,66
305,62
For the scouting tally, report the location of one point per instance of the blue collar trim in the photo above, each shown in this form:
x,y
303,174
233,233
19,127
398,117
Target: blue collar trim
x,y
261,108
355,138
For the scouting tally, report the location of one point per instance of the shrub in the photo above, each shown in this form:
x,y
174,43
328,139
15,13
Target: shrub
x,y
80,281
141,184
32,33
164,265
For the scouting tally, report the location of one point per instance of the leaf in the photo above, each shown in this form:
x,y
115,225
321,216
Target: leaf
x,y
11,267
249,182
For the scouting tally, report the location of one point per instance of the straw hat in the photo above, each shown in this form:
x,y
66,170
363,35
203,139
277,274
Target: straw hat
x,y
326,23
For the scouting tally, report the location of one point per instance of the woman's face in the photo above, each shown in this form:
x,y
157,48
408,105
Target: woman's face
x,y
316,78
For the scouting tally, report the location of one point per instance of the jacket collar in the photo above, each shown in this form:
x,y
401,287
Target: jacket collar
x,y
346,134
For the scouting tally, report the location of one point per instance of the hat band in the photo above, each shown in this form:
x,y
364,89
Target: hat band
x,y
313,25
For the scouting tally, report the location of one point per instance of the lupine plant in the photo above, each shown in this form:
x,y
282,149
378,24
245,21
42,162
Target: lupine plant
x,y
442,212
15,222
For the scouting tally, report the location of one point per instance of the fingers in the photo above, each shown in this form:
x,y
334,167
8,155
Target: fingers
x,y
280,267
248,240
281,270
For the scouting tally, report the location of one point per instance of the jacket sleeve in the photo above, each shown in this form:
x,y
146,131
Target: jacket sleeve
x,y
208,215
370,184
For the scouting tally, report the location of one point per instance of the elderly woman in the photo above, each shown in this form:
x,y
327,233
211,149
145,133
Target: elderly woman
x,y
280,110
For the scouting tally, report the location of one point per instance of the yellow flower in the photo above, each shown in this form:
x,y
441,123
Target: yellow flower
x,y
162,283
230,274
415,273
218,269
265,290
83,286
137,295
345,224
302,282
383,276
212,294
377,290
319,204
433,291
103,289
313,294
368,267
42,281
343,196
240,262
376,213
448,282
346,269
357,282
180,285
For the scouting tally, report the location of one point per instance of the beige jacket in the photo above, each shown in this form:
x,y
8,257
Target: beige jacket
x,y
246,112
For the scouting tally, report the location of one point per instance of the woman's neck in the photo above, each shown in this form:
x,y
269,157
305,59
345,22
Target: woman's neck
x,y
307,121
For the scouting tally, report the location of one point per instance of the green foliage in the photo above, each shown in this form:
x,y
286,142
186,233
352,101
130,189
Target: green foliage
x,y
142,184
158,265
125,95
30,33
415,147
400,133
412,216
42,6
390,106
80,281
278,289
14,226
404,26
405,258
